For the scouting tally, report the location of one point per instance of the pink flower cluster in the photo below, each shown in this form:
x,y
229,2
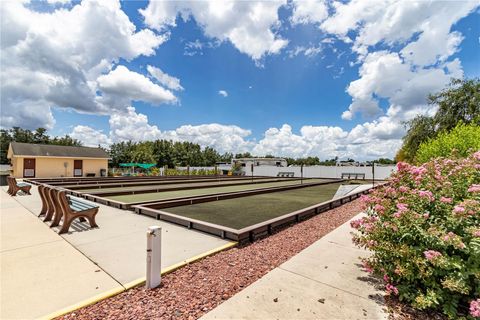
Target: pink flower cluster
x,y
367,266
379,208
402,207
458,209
431,254
426,194
475,308
446,200
391,289
474,188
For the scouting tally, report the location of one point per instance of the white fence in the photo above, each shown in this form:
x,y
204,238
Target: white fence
x,y
381,172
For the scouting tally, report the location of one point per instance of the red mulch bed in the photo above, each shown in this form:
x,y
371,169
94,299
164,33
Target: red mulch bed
x,y
195,289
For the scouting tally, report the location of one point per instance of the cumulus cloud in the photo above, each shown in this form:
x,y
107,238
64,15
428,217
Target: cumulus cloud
x,y
367,141
130,125
165,79
53,59
422,30
396,22
120,86
223,93
385,75
90,137
224,138
248,25
308,11
379,138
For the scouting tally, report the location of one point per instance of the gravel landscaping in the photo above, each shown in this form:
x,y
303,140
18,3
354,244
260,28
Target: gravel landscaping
x,y
193,290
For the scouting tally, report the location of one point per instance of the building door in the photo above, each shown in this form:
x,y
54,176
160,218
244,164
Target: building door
x,y
28,168
77,168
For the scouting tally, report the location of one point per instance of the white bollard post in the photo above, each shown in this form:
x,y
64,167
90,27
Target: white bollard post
x,y
154,248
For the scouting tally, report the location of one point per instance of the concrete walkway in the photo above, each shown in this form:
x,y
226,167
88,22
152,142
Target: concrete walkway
x,y
324,281
42,272
118,245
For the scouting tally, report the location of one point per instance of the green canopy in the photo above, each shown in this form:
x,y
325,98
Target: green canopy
x,y
141,165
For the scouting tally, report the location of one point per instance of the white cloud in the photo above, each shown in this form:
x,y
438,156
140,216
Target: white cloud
x,y
385,75
367,141
379,138
396,22
121,86
130,125
59,1
308,11
90,137
52,59
224,138
309,52
248,25
165,79
223,93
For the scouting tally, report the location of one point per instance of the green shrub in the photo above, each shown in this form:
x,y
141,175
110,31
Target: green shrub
x,y
463,139
423,230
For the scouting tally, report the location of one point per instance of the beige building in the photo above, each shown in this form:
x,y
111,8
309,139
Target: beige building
x,y
30,160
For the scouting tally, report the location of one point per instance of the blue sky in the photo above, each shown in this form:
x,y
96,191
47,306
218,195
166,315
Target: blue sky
x,y
299,78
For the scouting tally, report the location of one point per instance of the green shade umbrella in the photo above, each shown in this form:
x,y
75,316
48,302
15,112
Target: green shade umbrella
x,y
141,165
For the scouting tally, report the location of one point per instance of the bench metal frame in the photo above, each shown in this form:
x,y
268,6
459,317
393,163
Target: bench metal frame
x,y
57,205
14,187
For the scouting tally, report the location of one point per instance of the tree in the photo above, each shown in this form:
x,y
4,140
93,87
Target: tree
x,y
460,101
420,129
210,156
461,141
143,153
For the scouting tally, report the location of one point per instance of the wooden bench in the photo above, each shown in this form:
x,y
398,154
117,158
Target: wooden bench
x,y
14,186
74,208
56,204
90,174
348,175
286,174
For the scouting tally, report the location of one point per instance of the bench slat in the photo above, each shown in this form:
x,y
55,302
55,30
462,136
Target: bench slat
x,y
80,203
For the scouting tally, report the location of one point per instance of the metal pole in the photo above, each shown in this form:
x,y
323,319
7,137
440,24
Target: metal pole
x,y
252,171
373,174
154,265
301,173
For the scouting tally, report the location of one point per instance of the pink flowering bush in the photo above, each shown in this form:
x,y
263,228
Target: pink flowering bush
x,y
423,229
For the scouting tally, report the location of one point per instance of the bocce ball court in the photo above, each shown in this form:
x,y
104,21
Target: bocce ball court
x,y
238,208
246,218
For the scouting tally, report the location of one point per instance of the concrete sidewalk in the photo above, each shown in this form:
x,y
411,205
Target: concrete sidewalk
x,y
118,245
41,272
324,281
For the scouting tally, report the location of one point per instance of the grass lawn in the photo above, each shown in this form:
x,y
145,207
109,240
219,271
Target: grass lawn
x,y
243,212
201,192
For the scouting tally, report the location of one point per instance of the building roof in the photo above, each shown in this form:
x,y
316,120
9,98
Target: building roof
x,y
49,150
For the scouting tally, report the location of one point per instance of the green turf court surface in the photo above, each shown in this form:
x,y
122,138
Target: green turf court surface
x,y
246,211
212,183
202,192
